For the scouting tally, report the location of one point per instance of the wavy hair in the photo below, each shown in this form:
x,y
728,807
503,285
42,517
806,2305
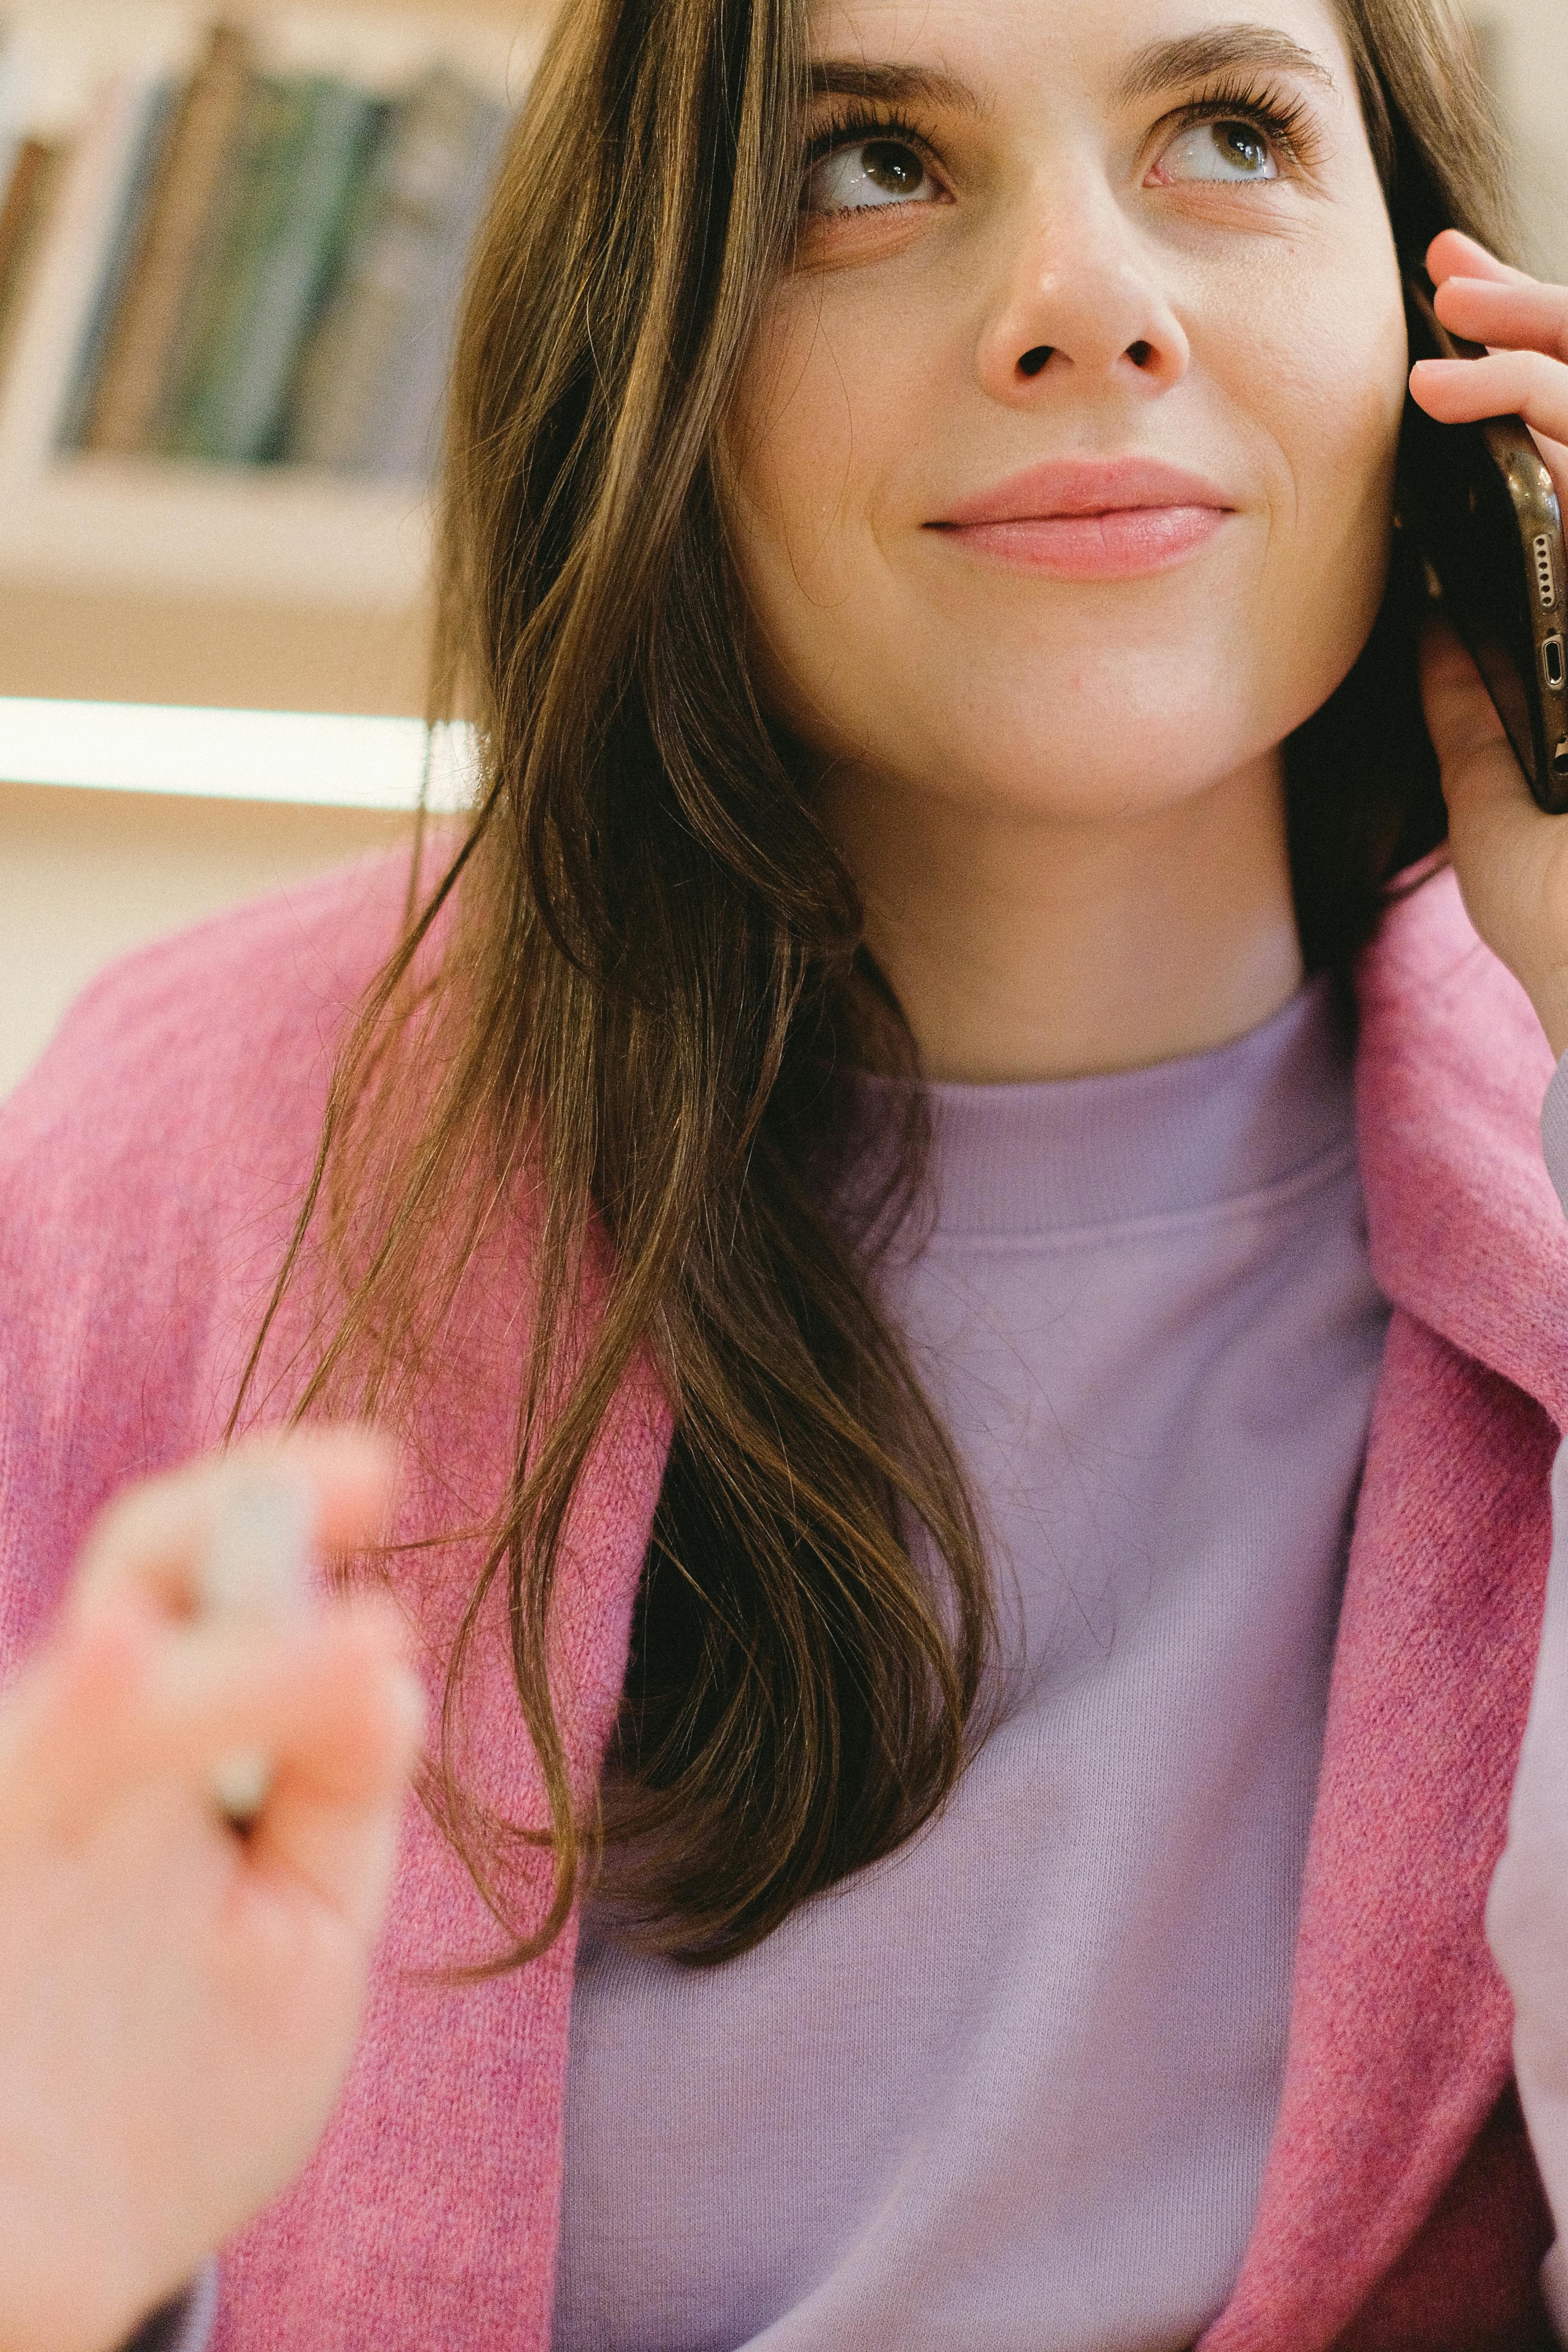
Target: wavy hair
x,y
640,975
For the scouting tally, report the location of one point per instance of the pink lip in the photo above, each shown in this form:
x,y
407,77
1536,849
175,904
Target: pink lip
x,y
1090,518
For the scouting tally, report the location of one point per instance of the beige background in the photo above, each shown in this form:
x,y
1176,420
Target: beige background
x,y
84,875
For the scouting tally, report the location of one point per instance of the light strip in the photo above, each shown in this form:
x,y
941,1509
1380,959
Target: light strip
x,y
290,756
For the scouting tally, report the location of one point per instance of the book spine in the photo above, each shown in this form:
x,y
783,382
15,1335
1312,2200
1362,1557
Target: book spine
x,y
239,225
183,201
358,350
157,119
305,182
30,185
408,426
76,232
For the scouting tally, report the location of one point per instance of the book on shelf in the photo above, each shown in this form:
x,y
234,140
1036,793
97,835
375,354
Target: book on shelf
x,y
139,349
74,245
256,260
35,166
301,145
153,107
367,394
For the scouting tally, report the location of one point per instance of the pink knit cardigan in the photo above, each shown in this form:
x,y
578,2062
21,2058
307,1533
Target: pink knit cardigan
x,y
147,1173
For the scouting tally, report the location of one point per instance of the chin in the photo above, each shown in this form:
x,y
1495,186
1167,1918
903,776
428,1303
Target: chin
x,y
1070,754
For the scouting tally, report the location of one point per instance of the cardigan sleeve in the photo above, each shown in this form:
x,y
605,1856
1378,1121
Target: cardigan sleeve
x,y
1553,2161
147,1168
151,1165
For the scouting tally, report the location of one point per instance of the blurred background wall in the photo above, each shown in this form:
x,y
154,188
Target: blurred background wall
x,y
189,549
1524,45
133,574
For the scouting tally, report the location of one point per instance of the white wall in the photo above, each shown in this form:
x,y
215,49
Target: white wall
x,y
1527,44
85,874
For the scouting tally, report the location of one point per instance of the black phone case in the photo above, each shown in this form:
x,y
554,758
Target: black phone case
x,y
1489,523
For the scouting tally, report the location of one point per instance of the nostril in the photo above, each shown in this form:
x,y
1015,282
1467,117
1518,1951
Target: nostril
x,y
1141,353
1033,362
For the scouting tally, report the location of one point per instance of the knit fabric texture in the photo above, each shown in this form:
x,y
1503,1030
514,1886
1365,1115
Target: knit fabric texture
x,y
149,1170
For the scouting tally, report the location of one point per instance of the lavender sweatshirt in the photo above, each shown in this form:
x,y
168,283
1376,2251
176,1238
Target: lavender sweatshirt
x,y
1014,2086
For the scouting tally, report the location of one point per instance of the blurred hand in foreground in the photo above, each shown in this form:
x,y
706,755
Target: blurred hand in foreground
x,y
180,2001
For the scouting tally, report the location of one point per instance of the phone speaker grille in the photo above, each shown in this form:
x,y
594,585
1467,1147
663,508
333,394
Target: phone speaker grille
x,y
1545,576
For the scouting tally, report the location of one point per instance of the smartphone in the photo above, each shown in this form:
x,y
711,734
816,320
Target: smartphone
x,y
1488,521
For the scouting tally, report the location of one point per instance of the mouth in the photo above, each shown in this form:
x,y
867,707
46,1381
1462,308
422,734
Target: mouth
x,y
1089,519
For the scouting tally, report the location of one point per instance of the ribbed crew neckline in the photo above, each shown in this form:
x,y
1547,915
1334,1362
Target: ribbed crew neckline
x,y
1063,1155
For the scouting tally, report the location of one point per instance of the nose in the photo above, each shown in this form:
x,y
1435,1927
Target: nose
x,y
1078,300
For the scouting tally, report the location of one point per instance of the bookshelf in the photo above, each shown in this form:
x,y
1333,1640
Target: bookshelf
x,y
152,578
139,581
88,876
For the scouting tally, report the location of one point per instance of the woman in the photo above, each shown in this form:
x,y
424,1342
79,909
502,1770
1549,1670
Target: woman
x,y
851,1191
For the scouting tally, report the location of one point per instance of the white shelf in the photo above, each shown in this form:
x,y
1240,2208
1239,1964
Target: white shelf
x,y
150,527
301,759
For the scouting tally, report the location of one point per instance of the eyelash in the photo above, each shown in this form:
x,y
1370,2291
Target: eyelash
x,y
859,121
1287,120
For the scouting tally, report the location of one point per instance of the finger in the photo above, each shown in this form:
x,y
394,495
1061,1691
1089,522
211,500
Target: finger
x,y
1506,383
1528,317
122,1705
151,1539
1461,717
1491,815
1452,254
333,1815
60,1718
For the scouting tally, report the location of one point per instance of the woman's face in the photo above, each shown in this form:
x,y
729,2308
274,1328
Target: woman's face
x,y
1062,467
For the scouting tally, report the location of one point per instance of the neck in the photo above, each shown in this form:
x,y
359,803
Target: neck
x,y
1023,946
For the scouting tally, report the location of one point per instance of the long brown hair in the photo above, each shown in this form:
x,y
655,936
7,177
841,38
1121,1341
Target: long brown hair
x,y
632,991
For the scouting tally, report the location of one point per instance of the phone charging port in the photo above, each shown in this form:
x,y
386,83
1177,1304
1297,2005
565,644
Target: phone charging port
x,y
1554,664
1560,759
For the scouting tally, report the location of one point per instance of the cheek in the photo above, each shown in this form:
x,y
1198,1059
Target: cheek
x,y
1323,383
1335,403
805,442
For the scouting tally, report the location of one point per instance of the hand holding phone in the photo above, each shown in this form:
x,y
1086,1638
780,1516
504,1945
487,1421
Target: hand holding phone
x,y
1486,513
1511,859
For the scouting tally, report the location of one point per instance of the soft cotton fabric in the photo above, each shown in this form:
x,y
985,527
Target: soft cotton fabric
x,y
147,1174
1015,2086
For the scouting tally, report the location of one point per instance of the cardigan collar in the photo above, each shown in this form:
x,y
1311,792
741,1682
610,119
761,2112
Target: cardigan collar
x,y
1400,2037
1466,1230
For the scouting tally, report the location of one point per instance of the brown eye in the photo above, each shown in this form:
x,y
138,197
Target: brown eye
x,y
1240,144
896,169
1233,149
865,173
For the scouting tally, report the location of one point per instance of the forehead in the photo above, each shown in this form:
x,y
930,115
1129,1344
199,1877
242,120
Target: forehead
x,y
1103,46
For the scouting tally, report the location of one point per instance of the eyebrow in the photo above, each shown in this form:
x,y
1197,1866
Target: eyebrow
x,y
1160,66
1222,49
890,85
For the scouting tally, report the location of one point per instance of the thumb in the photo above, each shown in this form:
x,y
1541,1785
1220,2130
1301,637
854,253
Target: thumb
x,y
1482,781
1511,859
